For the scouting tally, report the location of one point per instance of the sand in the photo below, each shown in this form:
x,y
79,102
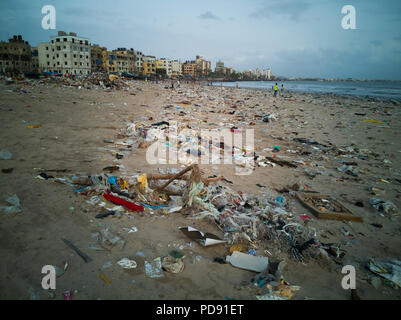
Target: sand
x,y
75,123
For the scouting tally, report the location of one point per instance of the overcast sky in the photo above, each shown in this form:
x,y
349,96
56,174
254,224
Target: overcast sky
x,y
293,37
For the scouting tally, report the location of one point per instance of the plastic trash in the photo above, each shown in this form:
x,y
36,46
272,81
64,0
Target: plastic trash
x,y
383,206
390,270
15,206
5,155
127,263
247,261
173,265
154,269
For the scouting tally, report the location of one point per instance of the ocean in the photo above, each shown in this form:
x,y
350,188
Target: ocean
x,y
378,89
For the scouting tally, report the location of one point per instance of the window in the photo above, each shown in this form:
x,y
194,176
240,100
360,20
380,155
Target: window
x,y
47,48
47,56
58,40
64,47
74,48
75,55
58,48
58,63
80,56
73,40
86,42
65,39
65,63
80,41
75,63
65,55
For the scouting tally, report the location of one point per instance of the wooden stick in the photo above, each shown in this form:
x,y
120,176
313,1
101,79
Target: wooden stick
x,y
176,176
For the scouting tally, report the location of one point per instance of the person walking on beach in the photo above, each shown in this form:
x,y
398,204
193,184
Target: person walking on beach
x,y
282,89
275,89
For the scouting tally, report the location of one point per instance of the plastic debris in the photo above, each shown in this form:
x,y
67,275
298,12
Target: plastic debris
x,y
153,269
247,261
5,155
383,206
173,265
127,263
15,206
390,270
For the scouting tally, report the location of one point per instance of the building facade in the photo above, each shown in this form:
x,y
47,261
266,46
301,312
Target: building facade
x,y
203,67
149,65
66,54
125,60
15,56
138,61
176,68
98,58
189,68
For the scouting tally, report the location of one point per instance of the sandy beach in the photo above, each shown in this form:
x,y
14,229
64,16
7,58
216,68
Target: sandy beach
x,y
77,130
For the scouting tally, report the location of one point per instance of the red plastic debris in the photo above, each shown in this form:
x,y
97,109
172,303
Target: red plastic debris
x,y
116,200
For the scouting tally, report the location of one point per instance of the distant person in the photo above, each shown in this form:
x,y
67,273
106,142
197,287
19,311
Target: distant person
x,y
282,89
275,89
236,85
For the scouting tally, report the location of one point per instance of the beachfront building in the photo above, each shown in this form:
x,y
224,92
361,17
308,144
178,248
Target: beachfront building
x,y
189,68
125,60
203,67
267,74
34,59
176,68
15,56
98,58
164,67
138,61
149,65
66,54
220,69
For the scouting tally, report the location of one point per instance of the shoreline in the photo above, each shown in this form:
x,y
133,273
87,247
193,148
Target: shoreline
x,y
394,101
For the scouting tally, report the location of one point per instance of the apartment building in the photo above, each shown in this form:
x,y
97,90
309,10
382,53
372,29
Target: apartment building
x,y
189,68
15,56
149,65
138,61
203,67
220,67
66,54
125,60
98,58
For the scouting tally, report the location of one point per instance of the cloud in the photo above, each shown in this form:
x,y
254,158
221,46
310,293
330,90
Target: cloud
x,y
282,8
397,38
376,43
208,16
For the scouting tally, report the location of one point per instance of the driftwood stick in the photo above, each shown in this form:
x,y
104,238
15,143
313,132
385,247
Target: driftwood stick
x,y
176,176
151,176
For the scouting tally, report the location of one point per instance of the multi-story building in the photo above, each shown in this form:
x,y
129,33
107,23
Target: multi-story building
x,y
203,67
34,59
267,74
189,68
125,60
149,65
164,67
66,54
138,61
15,56
176,68
98,58
220,67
